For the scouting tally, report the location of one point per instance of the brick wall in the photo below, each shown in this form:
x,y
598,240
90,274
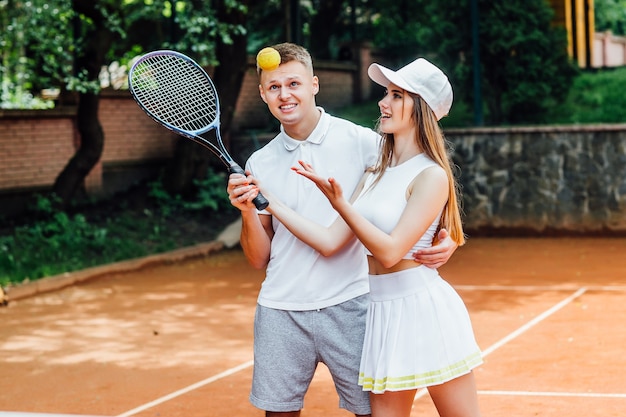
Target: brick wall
x,y
130,135
250,111
33,149
336,86
36,145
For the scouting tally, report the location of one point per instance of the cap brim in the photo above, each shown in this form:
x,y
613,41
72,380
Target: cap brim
x,y
376,74
384,76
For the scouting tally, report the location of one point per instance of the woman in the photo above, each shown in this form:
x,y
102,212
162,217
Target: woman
x,y
418,331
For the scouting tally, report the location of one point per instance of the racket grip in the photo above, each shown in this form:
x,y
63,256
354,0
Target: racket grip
x,y
259,201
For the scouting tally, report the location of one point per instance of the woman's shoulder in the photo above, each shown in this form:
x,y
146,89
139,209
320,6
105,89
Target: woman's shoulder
x,y
432,174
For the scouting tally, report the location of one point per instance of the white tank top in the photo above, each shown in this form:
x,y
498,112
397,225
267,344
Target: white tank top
x,y
383,204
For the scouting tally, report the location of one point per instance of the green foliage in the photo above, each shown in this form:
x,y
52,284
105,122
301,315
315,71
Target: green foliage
x,y
260,33
525,68
200,28
523,58
210,195
42,40
364,114
367,113
54,241
35,50
59,243
595,97
524,62
610,15
405,29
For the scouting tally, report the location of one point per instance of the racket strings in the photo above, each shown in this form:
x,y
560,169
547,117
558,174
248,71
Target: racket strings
x,y
176,91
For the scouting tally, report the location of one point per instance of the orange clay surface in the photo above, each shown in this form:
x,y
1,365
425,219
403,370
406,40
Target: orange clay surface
x,y
175,339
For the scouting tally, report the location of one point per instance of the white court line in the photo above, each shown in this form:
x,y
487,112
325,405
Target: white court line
x,y
533,322
522,329
187,389
553,394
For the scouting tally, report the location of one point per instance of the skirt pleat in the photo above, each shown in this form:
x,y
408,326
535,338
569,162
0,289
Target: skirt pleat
x,y
418,333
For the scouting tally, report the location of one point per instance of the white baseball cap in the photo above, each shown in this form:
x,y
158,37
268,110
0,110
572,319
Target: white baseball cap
x,y
419,77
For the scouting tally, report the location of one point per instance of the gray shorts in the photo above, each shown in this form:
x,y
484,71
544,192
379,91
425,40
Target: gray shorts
x,y
288,345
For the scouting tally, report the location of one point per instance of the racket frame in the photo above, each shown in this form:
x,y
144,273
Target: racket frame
x,y
217,148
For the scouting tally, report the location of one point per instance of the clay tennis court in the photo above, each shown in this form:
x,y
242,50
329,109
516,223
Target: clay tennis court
x,y
174,339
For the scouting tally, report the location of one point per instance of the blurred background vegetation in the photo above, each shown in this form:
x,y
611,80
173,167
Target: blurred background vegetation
x,y
524,71
595,97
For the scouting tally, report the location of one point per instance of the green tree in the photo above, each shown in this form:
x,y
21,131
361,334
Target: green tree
x,y
524,67
68,42
36,49
325,25
610,15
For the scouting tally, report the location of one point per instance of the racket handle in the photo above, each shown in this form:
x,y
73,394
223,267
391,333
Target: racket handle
x,y
259,201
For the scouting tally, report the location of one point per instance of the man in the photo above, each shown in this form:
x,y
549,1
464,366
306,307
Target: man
x,y
311,308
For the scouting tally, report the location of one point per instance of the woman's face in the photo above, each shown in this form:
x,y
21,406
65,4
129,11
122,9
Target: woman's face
x,y
396,108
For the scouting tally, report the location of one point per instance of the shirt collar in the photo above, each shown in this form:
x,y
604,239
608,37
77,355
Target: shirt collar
x,y
316,137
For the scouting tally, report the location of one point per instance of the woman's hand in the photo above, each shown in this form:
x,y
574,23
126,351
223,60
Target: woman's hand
x,y
329,187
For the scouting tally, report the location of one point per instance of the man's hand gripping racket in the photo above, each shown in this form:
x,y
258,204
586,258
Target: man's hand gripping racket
x,y
177,93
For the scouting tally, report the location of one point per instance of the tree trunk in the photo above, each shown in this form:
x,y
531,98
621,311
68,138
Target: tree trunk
x,y
91,136
91,143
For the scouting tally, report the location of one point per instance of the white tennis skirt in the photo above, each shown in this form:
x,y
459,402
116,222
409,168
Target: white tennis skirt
x,y
418,333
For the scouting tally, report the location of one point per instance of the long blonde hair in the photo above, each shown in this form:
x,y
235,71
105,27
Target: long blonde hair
x,y
430,138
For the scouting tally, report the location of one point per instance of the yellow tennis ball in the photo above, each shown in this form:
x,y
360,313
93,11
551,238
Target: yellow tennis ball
x,y
268,59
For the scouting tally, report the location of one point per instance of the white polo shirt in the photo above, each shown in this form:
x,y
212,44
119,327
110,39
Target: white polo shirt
x,y
297,276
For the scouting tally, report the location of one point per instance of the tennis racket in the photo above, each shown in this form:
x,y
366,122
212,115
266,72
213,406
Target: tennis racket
x,y
177,93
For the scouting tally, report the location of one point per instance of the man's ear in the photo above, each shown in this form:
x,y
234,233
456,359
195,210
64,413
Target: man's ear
x,y
262,93
316,85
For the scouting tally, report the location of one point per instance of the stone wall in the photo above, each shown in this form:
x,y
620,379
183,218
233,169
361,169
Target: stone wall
x,y
542,180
